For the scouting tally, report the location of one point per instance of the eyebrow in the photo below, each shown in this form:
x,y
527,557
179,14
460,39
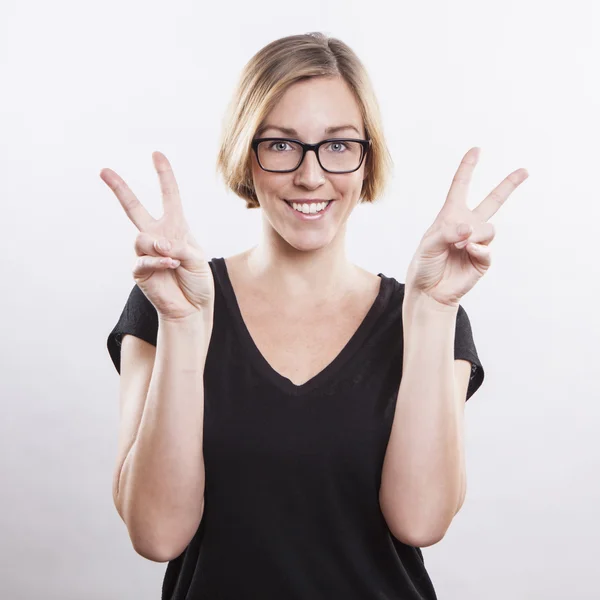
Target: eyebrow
x,y
290,131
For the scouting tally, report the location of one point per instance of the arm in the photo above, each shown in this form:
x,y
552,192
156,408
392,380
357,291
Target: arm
x,y
423,477
158,486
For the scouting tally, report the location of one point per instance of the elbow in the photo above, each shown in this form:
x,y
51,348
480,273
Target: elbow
x,y
163,544
156,547
153,551
411,531
158,543
142,542
418,539
419,528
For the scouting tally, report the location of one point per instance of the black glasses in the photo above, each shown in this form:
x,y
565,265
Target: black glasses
x,y
283,155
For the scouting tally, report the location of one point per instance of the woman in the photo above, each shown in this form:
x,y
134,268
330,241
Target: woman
x,y
267,449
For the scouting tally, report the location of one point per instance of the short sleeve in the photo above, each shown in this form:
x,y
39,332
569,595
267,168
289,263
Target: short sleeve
x,y
139,318
464,347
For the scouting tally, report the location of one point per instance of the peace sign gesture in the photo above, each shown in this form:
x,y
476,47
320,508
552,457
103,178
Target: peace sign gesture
x,y
454,252
176,277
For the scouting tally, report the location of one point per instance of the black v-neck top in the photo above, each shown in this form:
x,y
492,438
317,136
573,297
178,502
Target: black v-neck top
x,y
293,471
283,383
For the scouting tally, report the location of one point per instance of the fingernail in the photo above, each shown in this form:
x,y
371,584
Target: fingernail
x,y
164,245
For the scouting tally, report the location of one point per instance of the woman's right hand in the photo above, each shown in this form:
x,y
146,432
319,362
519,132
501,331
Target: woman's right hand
x,y
178,289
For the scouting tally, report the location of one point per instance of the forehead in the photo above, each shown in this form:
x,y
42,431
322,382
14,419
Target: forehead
x,y
314,105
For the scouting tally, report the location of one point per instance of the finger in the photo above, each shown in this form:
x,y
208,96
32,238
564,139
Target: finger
x,y
490,205
484,233
182,250
146,265
481,253
460,184
137,214
451,232
144,245
148,245
168,184
446,233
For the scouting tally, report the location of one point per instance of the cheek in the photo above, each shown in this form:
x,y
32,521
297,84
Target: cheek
x,y
350,184
257,172
260,180
267,183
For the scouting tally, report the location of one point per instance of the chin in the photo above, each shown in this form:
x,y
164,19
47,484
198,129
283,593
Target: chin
x,y
307,243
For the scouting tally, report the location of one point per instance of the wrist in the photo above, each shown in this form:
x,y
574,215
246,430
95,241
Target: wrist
x,y
199,321
417,304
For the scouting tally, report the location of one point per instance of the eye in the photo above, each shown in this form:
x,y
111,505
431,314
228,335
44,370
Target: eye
x,y
339,147
272,145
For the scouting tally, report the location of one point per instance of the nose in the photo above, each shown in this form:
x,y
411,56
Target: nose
x,y
309,174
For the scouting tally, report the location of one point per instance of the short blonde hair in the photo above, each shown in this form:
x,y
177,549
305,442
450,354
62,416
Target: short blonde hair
x,y
263,82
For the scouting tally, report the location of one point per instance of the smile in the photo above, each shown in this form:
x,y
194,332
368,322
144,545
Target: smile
x,y
309,211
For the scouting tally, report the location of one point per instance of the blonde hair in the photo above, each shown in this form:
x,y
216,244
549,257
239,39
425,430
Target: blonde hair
x,y
264,80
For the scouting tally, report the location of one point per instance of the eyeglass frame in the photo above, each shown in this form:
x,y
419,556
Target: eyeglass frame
x,y
365,144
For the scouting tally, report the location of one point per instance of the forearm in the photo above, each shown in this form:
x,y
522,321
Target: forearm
x,y
161,485
421,478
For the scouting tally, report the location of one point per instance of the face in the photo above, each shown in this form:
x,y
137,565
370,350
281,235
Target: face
x,y
310,108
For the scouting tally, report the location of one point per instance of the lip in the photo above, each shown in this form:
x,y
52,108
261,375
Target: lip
x,y
304,200
309,217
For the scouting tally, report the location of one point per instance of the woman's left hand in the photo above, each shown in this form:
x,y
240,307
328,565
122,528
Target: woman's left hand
x,y
454,252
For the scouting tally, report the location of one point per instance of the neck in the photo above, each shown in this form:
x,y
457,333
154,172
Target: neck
x,y
310,275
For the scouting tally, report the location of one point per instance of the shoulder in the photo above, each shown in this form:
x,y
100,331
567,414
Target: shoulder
x,y
372,281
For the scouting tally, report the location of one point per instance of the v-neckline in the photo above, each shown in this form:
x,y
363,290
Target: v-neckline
x,y
322,377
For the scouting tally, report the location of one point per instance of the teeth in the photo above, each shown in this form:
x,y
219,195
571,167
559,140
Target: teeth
x,y
310,208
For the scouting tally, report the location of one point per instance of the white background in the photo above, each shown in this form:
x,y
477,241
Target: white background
x,y
92,85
